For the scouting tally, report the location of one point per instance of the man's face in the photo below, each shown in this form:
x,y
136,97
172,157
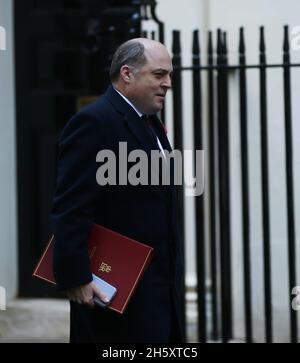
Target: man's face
x,y
148,88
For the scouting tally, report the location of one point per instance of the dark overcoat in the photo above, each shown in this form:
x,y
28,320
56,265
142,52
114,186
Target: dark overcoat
x,y
147,213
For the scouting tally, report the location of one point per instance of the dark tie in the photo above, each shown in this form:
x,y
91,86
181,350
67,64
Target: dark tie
x,y
150,128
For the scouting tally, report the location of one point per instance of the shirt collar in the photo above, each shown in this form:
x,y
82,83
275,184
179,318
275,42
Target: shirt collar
x,y
127,100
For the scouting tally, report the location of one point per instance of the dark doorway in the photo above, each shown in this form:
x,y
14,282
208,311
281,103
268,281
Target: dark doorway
x,y
63,51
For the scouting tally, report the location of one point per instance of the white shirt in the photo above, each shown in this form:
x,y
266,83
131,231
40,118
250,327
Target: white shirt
x,y
127,100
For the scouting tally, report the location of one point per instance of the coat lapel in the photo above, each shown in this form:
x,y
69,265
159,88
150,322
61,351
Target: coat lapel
x,y
160,130
138,128
161,134
132,120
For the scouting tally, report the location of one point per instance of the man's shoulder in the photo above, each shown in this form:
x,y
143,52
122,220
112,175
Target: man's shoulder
x,y
99,116
99,109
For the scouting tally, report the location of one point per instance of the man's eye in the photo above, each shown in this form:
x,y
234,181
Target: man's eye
x,y
158,75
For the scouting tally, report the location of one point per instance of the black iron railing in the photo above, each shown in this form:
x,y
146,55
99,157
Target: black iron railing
x,y
217,73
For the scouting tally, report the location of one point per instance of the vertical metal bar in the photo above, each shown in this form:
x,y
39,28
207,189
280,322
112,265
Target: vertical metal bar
x,y
177,114
265,188
223,139
199,203
144,12
212,135
289,178
161,27
177,91
227,245
245,188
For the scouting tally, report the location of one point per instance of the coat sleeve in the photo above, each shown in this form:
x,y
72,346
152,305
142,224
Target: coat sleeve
x,y
75,199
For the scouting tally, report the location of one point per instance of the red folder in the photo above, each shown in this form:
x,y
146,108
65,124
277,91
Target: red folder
x,y
115,258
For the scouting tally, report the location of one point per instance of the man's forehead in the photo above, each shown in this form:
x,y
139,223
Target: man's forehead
x,y
163,62
162,69
158,60
157,54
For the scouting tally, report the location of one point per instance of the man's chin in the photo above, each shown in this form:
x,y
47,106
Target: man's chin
x,y
160,106
156,107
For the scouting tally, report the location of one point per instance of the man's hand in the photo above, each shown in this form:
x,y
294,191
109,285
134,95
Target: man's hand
x,y
84,295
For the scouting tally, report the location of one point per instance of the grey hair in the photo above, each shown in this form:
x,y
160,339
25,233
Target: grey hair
x,y
131,53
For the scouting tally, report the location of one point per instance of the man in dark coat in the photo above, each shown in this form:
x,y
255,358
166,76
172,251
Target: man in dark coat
x,y
141,74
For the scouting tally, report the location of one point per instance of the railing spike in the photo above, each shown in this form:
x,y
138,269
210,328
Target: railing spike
x,y
242,47
196,44
286,44
210,43
262,45
176,42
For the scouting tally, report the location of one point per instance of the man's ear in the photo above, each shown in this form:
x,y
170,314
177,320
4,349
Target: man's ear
x,y
126,74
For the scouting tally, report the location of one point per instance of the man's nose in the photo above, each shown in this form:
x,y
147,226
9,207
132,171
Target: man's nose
x,y
167,82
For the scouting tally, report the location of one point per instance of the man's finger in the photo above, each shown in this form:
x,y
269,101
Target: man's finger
x,y
89,301
99,294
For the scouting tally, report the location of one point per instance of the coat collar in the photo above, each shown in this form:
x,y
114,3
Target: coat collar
x,y
136,126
